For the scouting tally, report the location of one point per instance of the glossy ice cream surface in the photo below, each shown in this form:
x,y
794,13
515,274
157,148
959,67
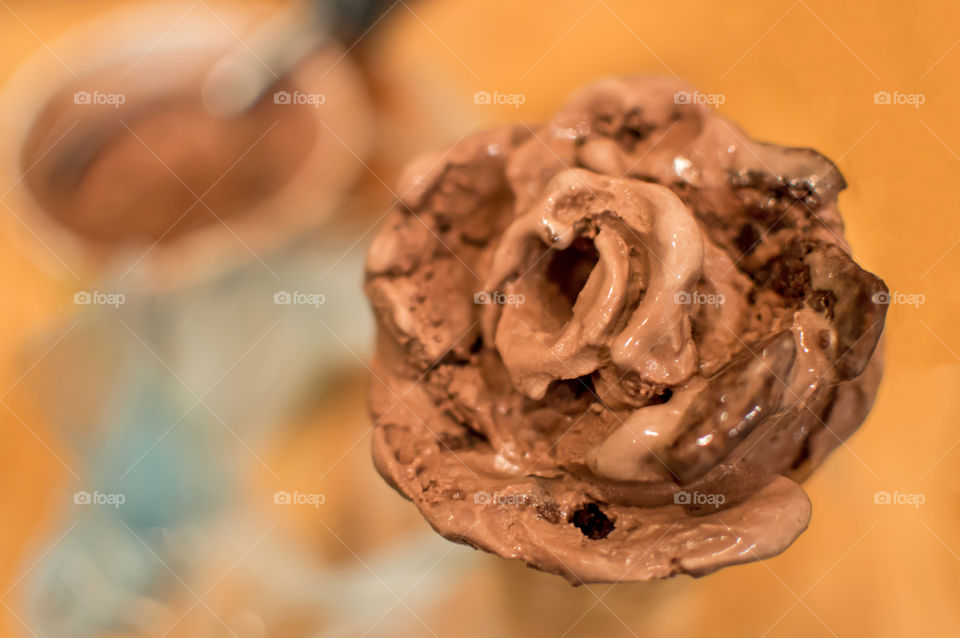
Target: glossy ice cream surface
x,y
612,345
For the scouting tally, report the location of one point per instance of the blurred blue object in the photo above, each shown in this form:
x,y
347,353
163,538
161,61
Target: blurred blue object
x,y
165,398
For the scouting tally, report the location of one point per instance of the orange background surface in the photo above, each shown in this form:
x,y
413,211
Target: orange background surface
x,y
798,72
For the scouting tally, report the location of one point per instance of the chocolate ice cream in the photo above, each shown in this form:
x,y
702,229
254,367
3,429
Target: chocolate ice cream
x,y
612,345
134,172
126,158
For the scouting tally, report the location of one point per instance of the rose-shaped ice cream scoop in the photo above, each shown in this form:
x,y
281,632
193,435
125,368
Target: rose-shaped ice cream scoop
x,y
641,233
612,345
